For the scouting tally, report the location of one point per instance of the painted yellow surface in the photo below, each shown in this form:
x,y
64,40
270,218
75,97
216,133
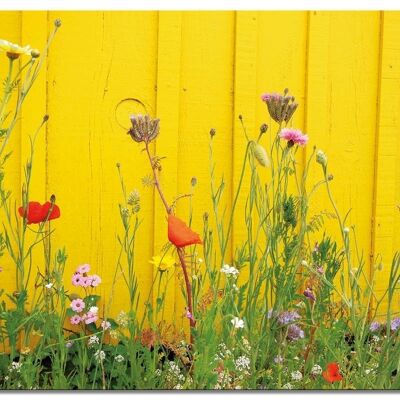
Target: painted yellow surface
x,y
196,71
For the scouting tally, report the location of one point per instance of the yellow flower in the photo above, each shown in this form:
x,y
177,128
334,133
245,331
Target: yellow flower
x,y
14,50
163,263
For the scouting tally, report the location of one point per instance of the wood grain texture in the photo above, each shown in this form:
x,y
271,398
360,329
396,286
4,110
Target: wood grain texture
x,y
196,71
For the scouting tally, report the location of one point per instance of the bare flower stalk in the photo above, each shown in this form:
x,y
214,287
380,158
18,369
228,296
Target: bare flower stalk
x,y
179,250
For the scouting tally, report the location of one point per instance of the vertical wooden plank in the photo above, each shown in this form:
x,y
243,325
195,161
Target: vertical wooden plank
x,y
386,224
168,101
206,102
94,65
341,111
246,53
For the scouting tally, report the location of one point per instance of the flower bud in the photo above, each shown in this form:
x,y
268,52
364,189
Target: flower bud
x,y
346,230
212,132
35,53
260,154
322,158
45,118
57,22
263,128
193,181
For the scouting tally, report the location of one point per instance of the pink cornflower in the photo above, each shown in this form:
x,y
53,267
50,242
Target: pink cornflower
x,y
86,281
271,96
90,318
75,319
293,136
77,279
105,325
78,305
83,269
96,280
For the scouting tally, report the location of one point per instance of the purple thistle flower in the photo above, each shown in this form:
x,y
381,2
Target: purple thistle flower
x,y
294,332
375,326
395,324
309,293
288,317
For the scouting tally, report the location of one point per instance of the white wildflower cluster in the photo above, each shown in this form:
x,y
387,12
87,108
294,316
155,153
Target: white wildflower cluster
x,y
376,339
15,367
119,358
223,353
224,380
158,372
122,319
242,364
297,376
287,386
99,355
173,375
229,271
316,370
93,340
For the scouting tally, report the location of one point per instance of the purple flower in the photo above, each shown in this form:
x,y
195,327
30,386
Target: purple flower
x,y
320,270
294,332
375,326
395,324
287,317
309,293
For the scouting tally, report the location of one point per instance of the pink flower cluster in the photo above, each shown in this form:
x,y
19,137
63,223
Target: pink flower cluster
x,y
293,136
81,278
89,317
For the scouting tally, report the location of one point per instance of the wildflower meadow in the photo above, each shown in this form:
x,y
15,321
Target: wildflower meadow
x,y
290,309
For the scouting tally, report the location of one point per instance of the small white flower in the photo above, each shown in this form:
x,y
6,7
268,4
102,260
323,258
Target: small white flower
x,y
93,340
237,323
235,288
15,366
178,387
158,372
316,370
49,285
346,230
238,387
119,358
304,263
94,310
6,378
228,270
287,386
200,260
297,376
99,355
242,363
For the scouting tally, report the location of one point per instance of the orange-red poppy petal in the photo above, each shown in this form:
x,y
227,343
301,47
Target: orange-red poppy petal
x,y
180,234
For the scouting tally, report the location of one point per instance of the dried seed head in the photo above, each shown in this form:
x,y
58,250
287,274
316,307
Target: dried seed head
x,y
212,132
280,107
57,22
46,118
144,128
134,201
260,154
53,198
193,181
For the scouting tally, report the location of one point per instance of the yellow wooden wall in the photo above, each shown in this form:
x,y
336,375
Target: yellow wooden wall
x,y
197,70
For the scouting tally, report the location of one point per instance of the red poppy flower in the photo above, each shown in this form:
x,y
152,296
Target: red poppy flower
x,y
37,213
332,374
180,234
